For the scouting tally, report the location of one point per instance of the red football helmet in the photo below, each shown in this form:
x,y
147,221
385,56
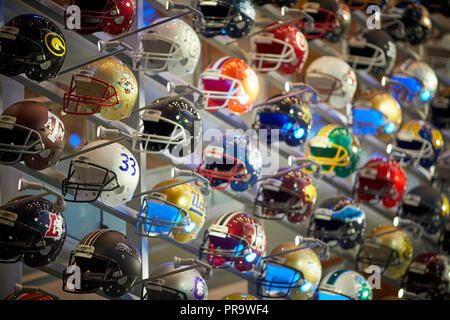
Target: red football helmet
x,y
111,16
381,179
282,48
234,238
31,132
290,194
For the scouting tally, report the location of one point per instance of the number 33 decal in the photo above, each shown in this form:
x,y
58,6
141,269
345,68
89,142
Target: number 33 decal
x,y
126,166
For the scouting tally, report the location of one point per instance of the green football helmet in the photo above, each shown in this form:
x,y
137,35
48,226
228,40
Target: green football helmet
x,y
336,149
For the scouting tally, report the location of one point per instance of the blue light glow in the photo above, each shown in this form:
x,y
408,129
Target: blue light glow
x,y
390,127
223,31
75,140
189,227
426,95
329,296
244,99
306,287
299,133
239,249
250,257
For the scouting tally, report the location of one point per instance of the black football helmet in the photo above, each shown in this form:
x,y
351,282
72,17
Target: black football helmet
x,y
290,116
444,239
426,206
441,178
427,276
170,123
371,50
440,110
408,21
233,18
338,221
31,228
33,45
106,259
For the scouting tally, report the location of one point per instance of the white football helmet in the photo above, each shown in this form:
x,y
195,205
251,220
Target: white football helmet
x,y
413,83
344,285
173,47
333,79
110,173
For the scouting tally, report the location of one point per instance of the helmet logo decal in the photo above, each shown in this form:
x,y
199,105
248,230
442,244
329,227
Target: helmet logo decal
x,y
55,127
55,44
198,203
125,248
199,289
127,166
349,77
126,84
55,229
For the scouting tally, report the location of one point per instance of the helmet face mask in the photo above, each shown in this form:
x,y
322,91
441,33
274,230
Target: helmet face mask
x,y
324,21
371,253
277,280
229,90
266,62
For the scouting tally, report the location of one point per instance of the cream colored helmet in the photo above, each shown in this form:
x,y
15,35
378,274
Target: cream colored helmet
x,y
388,248
295,274
107,87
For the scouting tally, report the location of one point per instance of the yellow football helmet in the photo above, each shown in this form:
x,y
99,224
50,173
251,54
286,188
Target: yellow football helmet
x,y
239,296
335,148
179,211
107,86
295,274
386,247
376,113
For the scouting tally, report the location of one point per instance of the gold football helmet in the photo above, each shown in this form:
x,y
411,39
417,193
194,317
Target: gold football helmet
x,y
387,247
376,112
179,211
107,86
296,273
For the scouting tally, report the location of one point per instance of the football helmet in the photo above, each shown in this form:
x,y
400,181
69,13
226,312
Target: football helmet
x,y
295,274
235,238
386,247
376,113
229,83
33,45
233,18
290,116
336,149
172,47
29,293
239,296
441,178
426,206
440,110
111,16
344,285
428,276
292,195
283,48
110,173
107,259
444,238
31,132
185,285
179,211
363,4
333,79
408,20
371,51
231,160
33,229
417,143
332,19
380,180
172,124
438,6
107,86
338,221
414,83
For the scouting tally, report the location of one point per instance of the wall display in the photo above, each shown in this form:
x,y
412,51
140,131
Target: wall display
x,y
344,285
380,180
234,239
106,259
33,45
388,248
266,108
31,132
107,87
292,271
289,194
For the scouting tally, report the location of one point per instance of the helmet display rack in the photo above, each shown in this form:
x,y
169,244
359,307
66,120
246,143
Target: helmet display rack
x,y
156,86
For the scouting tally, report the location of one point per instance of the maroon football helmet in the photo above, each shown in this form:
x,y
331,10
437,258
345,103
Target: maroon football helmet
x,y
234,238
381,180
292,195
31,132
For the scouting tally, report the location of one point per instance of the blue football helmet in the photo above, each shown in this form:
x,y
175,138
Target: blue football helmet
x,y
231,160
